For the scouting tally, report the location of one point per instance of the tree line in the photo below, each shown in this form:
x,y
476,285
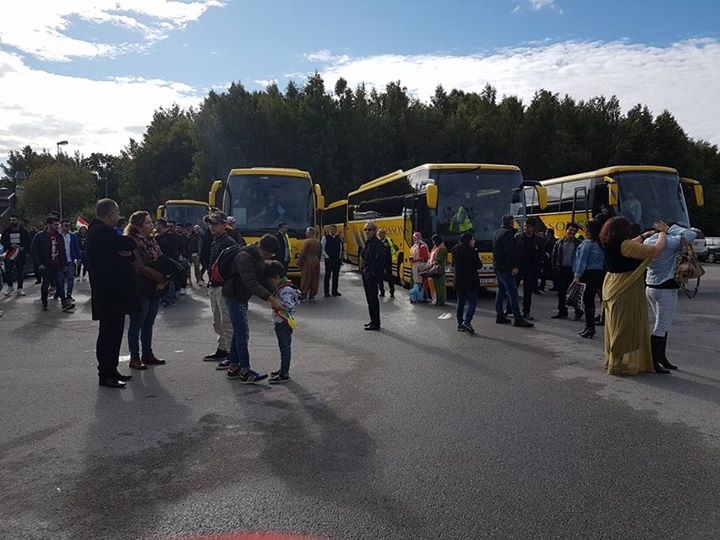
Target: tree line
x,y
347,136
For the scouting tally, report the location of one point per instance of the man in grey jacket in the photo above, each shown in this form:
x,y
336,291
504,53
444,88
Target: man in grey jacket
x,y
243,284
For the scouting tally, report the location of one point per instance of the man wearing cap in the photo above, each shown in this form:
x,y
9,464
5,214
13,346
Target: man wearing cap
x,y
243,284
222,325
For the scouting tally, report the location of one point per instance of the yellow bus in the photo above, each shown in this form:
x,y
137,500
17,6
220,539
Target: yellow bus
x,y
335,214
642,193
260,198
437,198
183,211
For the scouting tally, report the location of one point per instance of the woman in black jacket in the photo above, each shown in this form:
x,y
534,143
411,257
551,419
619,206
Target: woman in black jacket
x,y
467,283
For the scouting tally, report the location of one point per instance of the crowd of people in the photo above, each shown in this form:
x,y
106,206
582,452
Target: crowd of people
x,y
136,266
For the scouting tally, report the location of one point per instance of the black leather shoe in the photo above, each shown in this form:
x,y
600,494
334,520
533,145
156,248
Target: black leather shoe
x,y
121,377
112,383
373,327
367,324
587,332
336,293
659,368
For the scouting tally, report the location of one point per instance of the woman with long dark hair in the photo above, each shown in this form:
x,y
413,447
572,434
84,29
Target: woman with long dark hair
x,y
627,335
588,269
151,283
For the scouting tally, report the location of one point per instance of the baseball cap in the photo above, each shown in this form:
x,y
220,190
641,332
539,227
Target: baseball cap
x,y
216,217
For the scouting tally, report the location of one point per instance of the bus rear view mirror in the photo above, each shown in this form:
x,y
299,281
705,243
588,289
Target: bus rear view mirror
x,y
431,196
612,191
214,190
321,202
697,190
160,212
541,196
319,199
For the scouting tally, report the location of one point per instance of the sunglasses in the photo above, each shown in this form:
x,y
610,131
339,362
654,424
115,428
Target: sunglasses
x,y
368,229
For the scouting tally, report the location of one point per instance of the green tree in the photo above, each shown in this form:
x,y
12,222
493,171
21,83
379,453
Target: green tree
x,y
42,190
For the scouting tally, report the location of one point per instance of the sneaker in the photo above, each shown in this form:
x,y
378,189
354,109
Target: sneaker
x,y
468,327
182,292
528,317
69,299
216,356
523,323
336,293
68,306
224,364
249,377
502,320
278,378
460,328
20,292
9,291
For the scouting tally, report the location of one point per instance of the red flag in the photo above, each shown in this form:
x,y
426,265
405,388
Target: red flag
x,y
80,222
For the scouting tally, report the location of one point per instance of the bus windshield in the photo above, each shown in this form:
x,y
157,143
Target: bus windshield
x,y
647,197
475,201
260,202
185,213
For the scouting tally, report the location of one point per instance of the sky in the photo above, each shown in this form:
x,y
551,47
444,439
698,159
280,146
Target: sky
x,y
92,72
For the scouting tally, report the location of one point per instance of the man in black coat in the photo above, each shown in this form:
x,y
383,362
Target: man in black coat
x,y
505,258
373,270
113,288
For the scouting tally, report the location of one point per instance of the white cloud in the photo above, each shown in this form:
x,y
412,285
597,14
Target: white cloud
x,y
682,77
42,28
39,108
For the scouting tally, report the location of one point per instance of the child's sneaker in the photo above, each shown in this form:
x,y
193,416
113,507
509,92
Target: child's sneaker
x,y
278,378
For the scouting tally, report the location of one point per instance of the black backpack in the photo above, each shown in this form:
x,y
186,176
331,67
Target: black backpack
x,y
222,269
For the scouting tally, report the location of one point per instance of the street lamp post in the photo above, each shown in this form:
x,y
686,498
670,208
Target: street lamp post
x,y
58,145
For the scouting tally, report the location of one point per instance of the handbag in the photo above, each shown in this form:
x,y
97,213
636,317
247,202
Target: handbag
x,y
574,297
431,269
688,266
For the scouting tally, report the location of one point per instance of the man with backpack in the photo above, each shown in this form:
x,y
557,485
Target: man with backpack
x,y
242,282
221,317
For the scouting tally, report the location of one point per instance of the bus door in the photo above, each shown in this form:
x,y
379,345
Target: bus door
x,y
580,203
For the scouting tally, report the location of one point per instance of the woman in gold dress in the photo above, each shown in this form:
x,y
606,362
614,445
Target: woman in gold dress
x,y
627,331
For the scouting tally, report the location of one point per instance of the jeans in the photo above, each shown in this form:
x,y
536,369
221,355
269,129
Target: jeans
x,y
169,297
15,270
284,336
239,353
663,304
49,274
69,278
141,326
469,298
506,289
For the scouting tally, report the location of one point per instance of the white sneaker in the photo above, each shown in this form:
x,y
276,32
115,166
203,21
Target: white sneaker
x,y
9,291
182,291
20,292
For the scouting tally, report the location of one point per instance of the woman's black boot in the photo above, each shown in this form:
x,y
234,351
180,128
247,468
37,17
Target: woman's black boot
x,y
656,358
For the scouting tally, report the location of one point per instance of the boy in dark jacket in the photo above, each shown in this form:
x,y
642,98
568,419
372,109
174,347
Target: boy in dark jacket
x,y
16,241
48,253
238,289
